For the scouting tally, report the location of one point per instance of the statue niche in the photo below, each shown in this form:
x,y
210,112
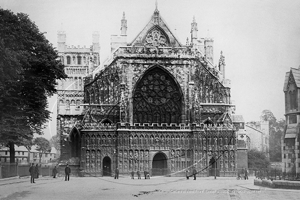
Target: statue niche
x,y
157,98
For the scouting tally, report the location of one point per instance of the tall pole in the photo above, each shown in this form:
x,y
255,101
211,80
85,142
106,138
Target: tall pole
x,y
215,169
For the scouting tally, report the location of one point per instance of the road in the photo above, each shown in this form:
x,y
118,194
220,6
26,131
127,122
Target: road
x,y
125,188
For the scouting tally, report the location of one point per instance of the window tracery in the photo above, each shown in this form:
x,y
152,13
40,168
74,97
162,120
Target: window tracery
x,y
157,98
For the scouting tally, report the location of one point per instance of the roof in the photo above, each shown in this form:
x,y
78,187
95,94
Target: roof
x,y
156,23
295,73
23,148
237,118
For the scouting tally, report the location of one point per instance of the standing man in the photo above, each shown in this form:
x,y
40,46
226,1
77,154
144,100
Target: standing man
x,y
54,172
117,173
37,171
187,174
246,174
138,174
67,173
132,174
32,173
194,173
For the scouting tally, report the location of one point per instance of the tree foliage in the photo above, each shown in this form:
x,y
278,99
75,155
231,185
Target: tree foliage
x,y
29,68
257,159
55,142
276,128
43,145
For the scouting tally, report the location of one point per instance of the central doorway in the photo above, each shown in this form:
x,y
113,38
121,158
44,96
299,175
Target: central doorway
x,y
213,167
106,166
159,165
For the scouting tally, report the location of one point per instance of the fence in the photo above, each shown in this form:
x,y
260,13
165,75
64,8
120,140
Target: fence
x,y
13,169
276,174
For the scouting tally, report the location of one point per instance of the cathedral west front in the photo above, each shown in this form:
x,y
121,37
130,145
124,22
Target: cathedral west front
x,y
155,105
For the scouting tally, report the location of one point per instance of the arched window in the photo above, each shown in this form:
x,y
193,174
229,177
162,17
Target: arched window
x,y
67,104
72,101
68,60
79,60
157,98
61,102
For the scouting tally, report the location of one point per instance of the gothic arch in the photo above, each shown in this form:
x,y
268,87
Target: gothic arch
x,y
75,141
157,98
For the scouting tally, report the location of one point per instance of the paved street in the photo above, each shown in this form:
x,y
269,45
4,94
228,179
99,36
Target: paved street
x,y
126,188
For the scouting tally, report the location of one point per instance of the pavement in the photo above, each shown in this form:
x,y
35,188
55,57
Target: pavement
x,y
125,188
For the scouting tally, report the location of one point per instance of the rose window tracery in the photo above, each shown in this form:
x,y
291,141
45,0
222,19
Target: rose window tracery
x,y
157,99
156,38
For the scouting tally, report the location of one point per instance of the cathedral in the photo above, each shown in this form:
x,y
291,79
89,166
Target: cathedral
x,y
155,105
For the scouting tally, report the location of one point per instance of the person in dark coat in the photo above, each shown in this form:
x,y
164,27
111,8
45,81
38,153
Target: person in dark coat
x,y
54,172
145,173
194,173
37,171
117,173
138,174
67,173
132,174
187,174
246,174
32,173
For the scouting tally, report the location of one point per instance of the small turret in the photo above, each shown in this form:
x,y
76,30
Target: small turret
x,y
123,25
194,30
222,65
61,41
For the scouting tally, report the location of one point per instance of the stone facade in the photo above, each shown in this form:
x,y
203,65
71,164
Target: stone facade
x,y
79,62
290,141
156,106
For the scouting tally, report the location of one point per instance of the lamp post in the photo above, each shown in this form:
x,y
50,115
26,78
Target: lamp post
x,y
215,169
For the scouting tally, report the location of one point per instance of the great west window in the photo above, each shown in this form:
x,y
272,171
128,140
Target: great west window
x,y
157,98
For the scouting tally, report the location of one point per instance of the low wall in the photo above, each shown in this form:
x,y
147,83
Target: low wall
x,y
278,184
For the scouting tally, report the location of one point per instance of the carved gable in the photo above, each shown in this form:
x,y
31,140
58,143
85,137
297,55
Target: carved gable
x,y
156,34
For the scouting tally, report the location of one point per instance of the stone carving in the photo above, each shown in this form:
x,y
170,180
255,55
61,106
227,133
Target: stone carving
x,y
155,38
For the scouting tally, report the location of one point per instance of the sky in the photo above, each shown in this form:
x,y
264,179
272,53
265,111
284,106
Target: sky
x,y
260,39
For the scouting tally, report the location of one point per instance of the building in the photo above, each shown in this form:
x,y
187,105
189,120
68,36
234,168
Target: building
x,y
258,133
79,62
21,155
290,141
156,105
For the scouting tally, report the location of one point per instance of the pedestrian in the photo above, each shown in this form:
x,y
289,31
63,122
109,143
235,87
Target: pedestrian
x,y
54,172
67,173
145,173
138,174
132,174
32,173
117,173
194,173
246,174
37,171
187,174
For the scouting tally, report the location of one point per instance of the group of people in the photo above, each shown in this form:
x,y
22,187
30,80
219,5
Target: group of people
x,y
243,174
146,174
34,172
194,173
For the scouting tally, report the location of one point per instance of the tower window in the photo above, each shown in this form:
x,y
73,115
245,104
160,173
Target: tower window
x,y
68,60
79,60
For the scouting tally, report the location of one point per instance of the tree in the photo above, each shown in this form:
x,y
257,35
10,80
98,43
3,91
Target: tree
x,y
43,145
55,142
29,68
257,159
276,128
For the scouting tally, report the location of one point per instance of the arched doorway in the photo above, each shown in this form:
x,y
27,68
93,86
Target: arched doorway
x,y
159,165
106,166
213,167
157,98
75,141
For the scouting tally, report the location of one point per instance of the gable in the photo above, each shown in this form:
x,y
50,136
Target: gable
x,y
292,78
156,34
